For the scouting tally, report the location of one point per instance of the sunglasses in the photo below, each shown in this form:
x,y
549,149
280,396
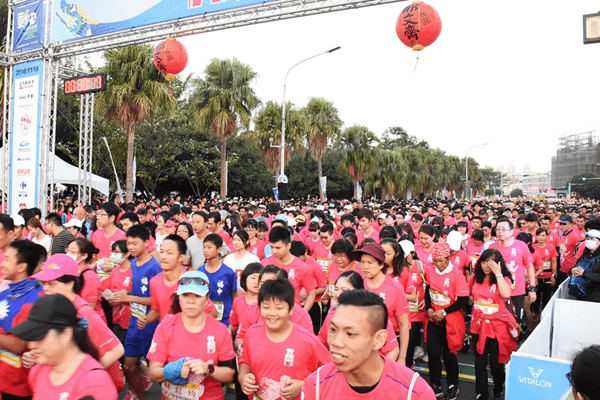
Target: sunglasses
x,y
193,281
563,223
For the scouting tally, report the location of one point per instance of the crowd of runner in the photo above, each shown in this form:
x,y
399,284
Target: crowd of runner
x,y
311,300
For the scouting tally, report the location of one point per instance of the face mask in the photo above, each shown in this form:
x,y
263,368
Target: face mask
x,y
73,256
116,258
592,244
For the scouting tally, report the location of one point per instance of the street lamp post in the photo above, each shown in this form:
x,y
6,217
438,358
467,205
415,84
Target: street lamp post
x,y
467,196
282,145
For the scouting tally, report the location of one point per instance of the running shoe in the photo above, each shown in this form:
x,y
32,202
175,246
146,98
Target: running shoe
x,y
147,383
419,352
498,395
437,390
452,392
130,396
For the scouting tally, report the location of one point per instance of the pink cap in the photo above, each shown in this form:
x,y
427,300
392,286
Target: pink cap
x,y
56,266
170,222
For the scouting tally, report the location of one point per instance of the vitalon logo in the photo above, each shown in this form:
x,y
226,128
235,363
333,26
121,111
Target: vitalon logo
x,y
535,374
534,381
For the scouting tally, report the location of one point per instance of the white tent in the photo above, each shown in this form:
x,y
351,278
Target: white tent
x,y
68,174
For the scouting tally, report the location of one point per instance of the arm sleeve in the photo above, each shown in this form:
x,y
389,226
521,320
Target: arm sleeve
x,y
457,305
427,298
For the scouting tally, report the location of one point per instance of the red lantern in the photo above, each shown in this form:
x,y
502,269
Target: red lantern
x,y
418,25
170,57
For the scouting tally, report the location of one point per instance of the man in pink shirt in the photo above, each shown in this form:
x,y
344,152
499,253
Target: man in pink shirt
x,y
567,244
365,224
518,259
107,232
214,225
299,273
357,332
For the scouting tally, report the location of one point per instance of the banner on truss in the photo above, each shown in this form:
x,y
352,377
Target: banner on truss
x,y
79,19
25,138
28,30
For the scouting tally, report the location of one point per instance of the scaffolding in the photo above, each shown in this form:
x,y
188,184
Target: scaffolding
x,y
578,153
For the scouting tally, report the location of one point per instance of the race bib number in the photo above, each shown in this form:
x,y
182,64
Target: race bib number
x,y
547,265
439,299
104,262
220,309
10,358
414,307
324,263
486,308
138,310
190,391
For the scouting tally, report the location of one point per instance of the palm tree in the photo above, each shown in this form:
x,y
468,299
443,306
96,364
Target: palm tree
x,y
323,125
267,132
222,100
357,153
135,90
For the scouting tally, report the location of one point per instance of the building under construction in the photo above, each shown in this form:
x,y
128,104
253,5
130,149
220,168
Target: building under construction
x,y
577,154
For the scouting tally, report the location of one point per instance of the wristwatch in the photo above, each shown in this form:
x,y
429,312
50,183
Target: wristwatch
x,y
444,313
210,370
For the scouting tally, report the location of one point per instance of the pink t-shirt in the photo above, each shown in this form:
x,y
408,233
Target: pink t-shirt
x,y
275,363
91,291
390,344
474,251
172,341
446,288
405,280
547,253
90,379
104,339
487,300
322,256
567,245
117,282
417,280
299,275
238,309
333,273
104,243
516,257
395,380
394,296
424,256
361,236
461,260
318,274
258,249
252,316
311,244
161,297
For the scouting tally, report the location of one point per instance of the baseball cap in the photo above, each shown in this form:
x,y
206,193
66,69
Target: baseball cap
x,y
454,240
170,222
407,247
193,282
372,249
415,208
48,312
301,219
348,207
382,216
56,266
566,218
594,233
73,222
281,217
18,220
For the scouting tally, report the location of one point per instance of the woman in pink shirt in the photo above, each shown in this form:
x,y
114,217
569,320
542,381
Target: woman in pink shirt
x,y
67,361
427,238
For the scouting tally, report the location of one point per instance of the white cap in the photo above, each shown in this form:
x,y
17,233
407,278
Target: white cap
x,y
320,207
291,221
348,207
382,216
454,240
415,208
18,220
73,222
407,247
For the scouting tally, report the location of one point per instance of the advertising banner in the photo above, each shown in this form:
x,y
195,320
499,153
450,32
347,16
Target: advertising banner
x,y
29,26
24,141
536,379
78,19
